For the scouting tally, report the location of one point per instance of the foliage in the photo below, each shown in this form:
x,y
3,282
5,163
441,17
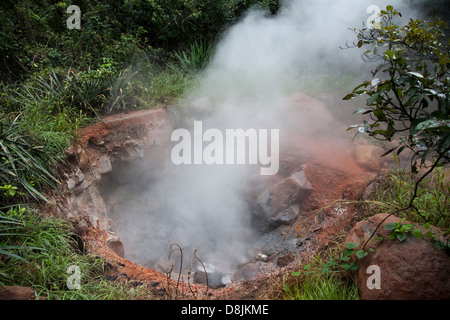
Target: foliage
x,y
38,251
411,97
401,230
24,165
322,278
196,58
33,34
432,202
327,287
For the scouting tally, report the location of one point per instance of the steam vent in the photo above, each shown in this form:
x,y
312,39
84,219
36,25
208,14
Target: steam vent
x,y
223,226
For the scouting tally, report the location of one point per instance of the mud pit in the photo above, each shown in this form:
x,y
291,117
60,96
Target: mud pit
x,y
114,197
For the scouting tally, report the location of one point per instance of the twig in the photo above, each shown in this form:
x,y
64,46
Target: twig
x,y
178,247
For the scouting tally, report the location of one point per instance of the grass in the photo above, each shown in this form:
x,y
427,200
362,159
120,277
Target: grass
x,y
320,279
396,187
195,58
324,287
37,252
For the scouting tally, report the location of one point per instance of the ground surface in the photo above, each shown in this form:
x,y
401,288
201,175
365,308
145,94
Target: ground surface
x,y
326,217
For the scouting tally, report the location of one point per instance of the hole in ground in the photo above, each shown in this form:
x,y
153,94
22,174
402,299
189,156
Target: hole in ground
x,y
231,234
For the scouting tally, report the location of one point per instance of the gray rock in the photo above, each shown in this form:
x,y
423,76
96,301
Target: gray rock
x,y
281,196
286,217
214,278
249,272
105,165
71,184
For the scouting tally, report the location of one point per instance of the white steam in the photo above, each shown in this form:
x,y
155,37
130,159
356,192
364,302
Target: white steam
x,y
258,62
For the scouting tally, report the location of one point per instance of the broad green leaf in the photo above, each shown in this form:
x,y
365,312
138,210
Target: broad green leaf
x,y
390,54
351,245
417,233
401,236
390,226
361,254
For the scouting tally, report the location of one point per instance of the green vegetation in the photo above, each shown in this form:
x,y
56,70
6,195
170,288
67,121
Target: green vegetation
x,y
432,202
321,279
38,252
410,99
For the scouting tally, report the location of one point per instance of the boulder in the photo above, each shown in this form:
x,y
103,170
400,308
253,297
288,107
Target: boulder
x,y
249,272
307,115
16,293
369,156
283,195
283,261
211,276
411,269
104,165
285,217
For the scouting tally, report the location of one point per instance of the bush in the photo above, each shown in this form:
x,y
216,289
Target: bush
x,y
410,98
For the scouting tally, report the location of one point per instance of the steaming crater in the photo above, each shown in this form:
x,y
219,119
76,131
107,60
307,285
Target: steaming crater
x,y
156,206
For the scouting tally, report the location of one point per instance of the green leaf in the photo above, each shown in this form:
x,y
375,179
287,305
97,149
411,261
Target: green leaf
x,y
349,96
379,114
296,274
390,226
417,233
390,54
361,254
374,96
350,267
408,227
401,236
351,245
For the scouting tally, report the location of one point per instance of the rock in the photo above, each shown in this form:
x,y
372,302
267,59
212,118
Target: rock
x,y
71,184
83,161
369,156
79,177
166,265
261,257
116,245
409,270
214,278
73,151
16,293
369,190
283,261
284,194
249,272
286,217
310,116
105,165
132,149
